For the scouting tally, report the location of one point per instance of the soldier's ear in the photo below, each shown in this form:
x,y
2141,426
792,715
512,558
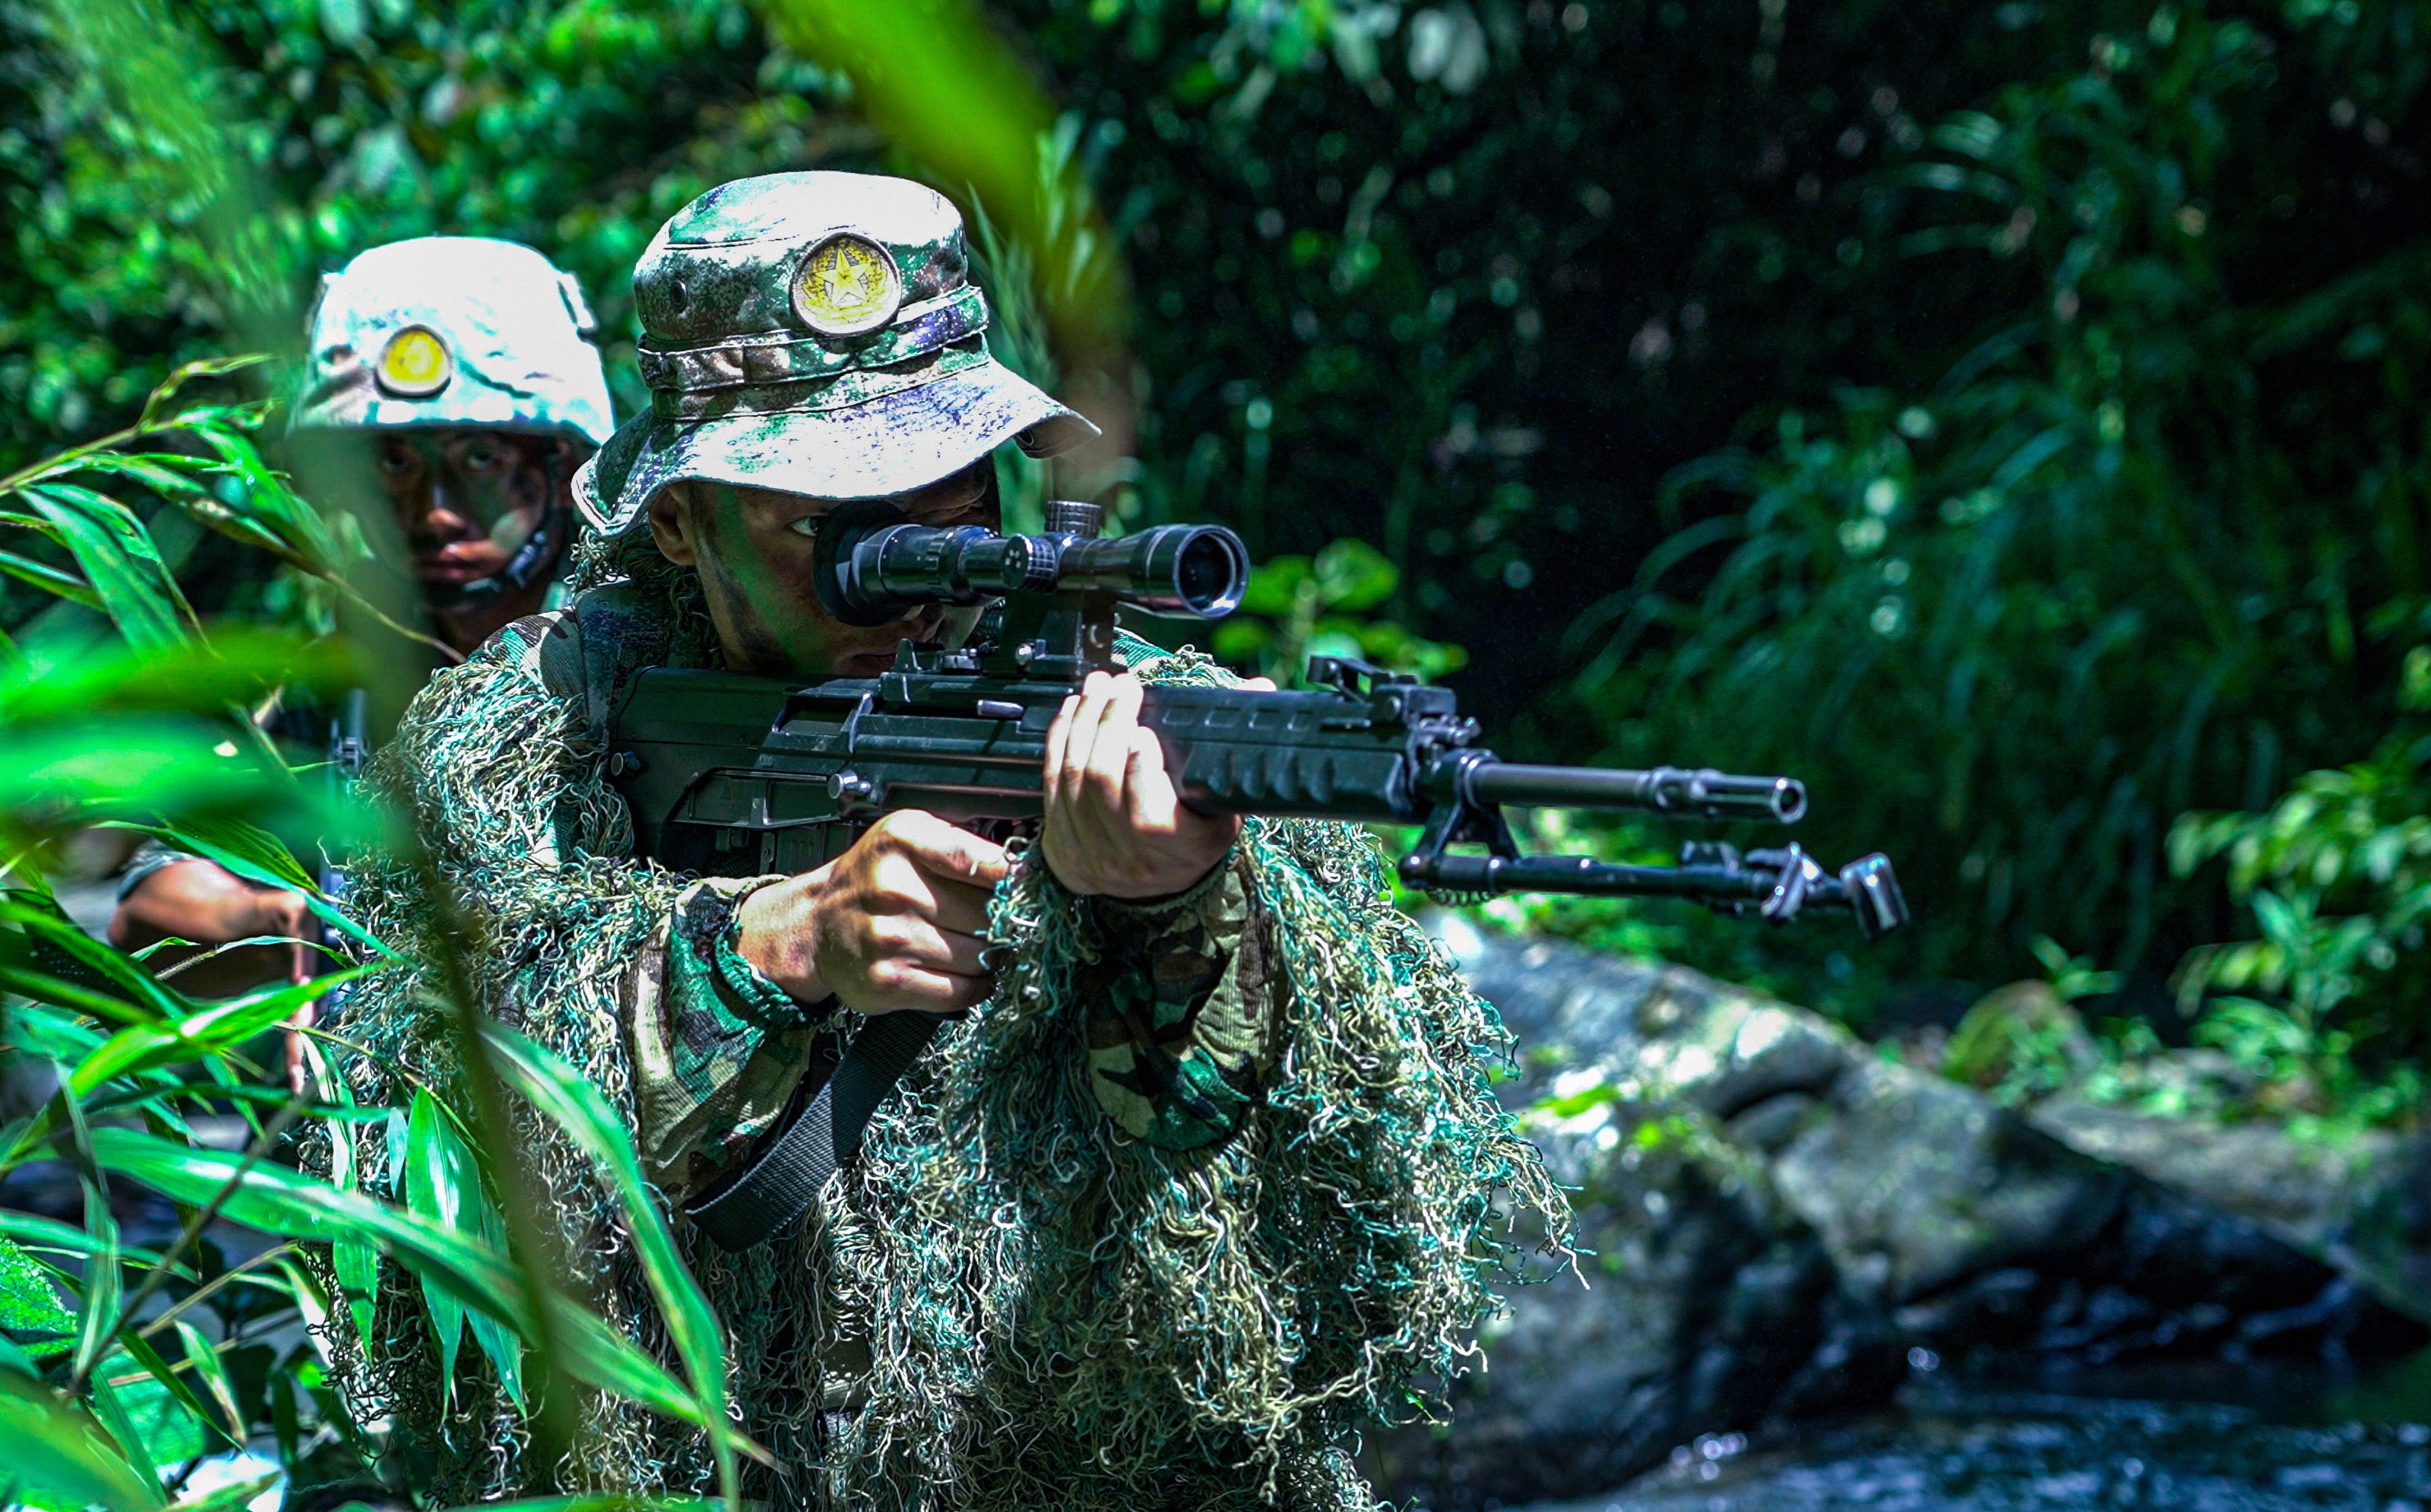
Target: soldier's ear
x,y
671,526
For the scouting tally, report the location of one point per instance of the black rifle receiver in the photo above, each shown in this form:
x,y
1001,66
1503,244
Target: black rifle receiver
x,y
733,775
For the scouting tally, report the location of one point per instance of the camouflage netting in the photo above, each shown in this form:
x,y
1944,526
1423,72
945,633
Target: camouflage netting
x,y
1007,1302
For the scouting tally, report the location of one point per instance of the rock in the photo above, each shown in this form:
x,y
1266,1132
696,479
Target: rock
x,y
1694,1293
1923,1184
1775,1221
2293,1187
2382,1233
2363,1205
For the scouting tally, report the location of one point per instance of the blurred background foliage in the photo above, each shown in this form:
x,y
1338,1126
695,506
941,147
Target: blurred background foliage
x,y
2003,417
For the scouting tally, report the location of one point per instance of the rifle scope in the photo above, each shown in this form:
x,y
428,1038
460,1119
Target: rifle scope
x,y
872,564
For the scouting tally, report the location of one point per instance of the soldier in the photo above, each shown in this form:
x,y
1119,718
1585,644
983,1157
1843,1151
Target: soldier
x,y
1201,1183
467,365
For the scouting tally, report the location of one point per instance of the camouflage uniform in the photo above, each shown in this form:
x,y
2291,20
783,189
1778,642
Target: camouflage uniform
x,y
1205,1186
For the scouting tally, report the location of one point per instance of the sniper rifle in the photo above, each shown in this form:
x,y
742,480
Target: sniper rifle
x,y
732,775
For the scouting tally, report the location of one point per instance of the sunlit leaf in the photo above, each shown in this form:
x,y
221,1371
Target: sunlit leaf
x,y
212,1372
218,1027
30,1310
119,561
441,1184
575,1105
56,1448
36,1231
278,1201
156,404
50,580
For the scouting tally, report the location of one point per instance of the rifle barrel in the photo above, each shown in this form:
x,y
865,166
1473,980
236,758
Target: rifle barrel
x,y
1664,789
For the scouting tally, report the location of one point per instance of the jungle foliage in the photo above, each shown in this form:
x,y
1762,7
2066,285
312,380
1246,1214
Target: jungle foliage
x,y
2003,417
124,1367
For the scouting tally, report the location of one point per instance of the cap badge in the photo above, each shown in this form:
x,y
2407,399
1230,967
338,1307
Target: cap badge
x,y
847,285
415,363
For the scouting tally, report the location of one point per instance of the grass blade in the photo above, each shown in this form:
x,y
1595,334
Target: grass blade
x,y
97,1316
151,1047
278,1201
441,1184
119,561
56,1448
571,1101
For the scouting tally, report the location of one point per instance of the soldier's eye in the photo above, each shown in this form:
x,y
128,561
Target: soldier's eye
x,y
481,456
806,527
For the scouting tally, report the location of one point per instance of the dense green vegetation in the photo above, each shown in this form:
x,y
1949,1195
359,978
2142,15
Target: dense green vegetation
x,y
2003,417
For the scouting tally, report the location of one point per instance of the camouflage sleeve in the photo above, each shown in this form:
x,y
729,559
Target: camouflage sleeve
x,y
717,1048
1182,1010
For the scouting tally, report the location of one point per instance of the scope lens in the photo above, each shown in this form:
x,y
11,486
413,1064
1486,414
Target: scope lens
x,y
1208,577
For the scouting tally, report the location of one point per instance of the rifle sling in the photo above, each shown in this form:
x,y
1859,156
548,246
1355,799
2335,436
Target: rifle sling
x,y
775,1191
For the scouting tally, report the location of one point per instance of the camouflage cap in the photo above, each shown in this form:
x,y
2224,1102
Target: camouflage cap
x,y
816,333
454,331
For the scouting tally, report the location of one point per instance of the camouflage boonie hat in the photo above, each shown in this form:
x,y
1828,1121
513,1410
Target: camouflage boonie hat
x,y
815,333
454,331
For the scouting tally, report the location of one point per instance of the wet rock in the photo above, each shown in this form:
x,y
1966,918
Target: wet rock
x,y
1694,1293
1778,1222
2382,1233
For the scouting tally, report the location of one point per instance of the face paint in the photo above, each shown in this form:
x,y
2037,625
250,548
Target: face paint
x,y
756,550
466,500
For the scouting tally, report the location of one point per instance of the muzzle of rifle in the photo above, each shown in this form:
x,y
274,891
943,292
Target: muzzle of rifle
x,y
872,566
1702,792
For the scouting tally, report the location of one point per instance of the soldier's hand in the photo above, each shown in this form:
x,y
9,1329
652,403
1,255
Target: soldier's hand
x,y
895,923
1113,825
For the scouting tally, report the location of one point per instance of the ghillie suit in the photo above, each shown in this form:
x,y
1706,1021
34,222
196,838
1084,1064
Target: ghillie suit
x,y
1037,1286
1008,1302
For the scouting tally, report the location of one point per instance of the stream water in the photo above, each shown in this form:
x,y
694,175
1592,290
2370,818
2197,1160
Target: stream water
x,y
2183,1439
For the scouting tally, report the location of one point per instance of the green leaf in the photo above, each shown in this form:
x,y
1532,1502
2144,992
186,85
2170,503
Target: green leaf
x,y
36,1231
29,1303
442,1184
218,1027
1273,588
14,1358
57,1449
270,506
575,1103
49,579
1352,576
278,1201
257,855
246,850
156,404
97,1312
212,1371
48,958
357,1263
156,1397
119,560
